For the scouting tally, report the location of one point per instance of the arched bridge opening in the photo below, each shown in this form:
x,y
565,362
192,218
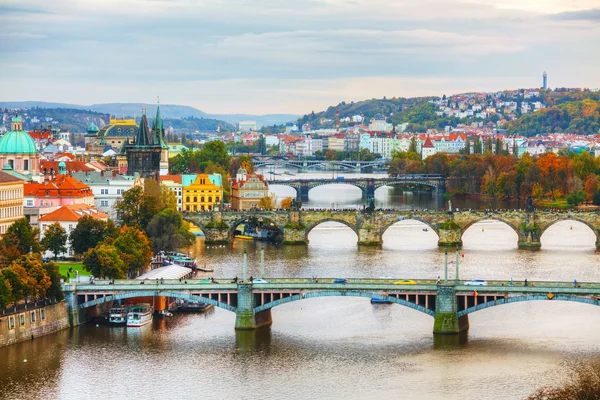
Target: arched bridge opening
x,y
410,234
468,304
255,228
569,234
216,299
333,228
424,303
490,233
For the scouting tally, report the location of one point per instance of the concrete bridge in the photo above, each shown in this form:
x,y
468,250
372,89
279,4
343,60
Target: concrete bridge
x,y
435,183
306,165
295,226
449,304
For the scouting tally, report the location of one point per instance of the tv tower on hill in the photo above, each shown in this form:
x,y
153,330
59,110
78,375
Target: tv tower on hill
x,y
545,80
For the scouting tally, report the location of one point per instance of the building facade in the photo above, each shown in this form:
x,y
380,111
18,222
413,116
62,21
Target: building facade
x,y
247,190
11,200
203,194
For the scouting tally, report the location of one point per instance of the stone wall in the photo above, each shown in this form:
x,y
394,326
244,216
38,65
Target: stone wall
x,y
18,327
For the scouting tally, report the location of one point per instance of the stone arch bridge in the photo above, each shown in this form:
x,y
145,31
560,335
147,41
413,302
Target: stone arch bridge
x,y
218,227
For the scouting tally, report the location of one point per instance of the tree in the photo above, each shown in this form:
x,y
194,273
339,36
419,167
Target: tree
x,y
575,198
55,289
413,145
268,202
104,261
5,292
591,186
168,231
55,239
135,249
36,278
22,236
286,203
89,232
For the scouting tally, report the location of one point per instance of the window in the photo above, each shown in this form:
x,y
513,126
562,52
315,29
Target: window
x,y
103,191
104,203
70,227
187,199
42,314
210,199
22,319
11,322
202,199
32,316
29,203
26,165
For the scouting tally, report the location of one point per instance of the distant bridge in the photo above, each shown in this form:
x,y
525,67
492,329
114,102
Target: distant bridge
x,y
434,182
305,165
219,227
449,303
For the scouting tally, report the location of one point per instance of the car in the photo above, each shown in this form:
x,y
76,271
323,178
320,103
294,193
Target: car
x,y
259,280
340,280
405,282
476,282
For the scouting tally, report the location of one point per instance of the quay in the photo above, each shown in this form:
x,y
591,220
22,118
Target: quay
x,y
449,304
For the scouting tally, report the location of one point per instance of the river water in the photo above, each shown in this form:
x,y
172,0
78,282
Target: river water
x,y
334,348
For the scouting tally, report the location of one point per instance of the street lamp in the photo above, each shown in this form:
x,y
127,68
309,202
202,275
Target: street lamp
x,y
456,264
445,266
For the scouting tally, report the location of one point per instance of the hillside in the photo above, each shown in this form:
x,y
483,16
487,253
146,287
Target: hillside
x,y
579,117
167,111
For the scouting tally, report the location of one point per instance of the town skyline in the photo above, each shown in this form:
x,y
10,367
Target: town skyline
x,y
222,57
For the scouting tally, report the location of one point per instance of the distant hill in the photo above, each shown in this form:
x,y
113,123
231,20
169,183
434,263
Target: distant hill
x,y
580,117
166,110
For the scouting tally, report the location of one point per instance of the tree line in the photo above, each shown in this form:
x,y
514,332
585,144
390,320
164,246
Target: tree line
x,y
551,176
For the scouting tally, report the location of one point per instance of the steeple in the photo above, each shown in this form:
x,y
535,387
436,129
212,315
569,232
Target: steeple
x,y
143,138
158,127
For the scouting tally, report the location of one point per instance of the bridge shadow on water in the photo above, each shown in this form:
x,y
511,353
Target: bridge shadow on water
x,y
450,342
253,340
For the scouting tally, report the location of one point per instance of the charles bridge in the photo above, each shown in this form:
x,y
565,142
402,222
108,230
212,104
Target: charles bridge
x,y
295,225
433,182
305,165
448,302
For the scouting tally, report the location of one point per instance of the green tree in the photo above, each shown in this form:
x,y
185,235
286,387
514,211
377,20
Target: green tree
x,y
89,232
134,247
5,292
168,231
412,147
23,237
36,278
55,289
104,261
55,239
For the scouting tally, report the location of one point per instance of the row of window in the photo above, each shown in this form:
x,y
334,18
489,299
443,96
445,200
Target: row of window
x,y
7,212
106,191
11,194
187,199
22,319
25,164
202,208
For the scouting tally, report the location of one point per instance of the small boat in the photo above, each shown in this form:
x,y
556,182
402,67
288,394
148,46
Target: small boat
x,y
243,237
379,301
139,315
205,269
194,307
117,315
425,230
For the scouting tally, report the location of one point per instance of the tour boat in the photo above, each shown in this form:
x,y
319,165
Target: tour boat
x,y
139,315
243,237
117,315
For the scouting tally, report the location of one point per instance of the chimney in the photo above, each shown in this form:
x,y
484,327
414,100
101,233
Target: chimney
x,y
102,173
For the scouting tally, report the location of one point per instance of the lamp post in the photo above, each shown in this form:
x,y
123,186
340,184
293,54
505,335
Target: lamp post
x,y
245,267
456,264
445,266
262,261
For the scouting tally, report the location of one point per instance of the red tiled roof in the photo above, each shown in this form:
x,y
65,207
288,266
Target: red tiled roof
x,y
428,143
72,166
174,178
6,178
74,212
61,186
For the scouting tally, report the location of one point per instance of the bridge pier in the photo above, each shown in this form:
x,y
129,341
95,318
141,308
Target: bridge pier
x,y
302,194
245,318
446,320
76,317
529,233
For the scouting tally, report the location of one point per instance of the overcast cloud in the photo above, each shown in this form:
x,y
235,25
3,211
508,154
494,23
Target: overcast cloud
x,y
269,56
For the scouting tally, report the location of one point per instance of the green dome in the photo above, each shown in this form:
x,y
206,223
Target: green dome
x,y
92,128
17,142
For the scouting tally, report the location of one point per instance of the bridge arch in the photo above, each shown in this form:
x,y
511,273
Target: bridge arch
x,y
491,217
536,297
335,293
574,219
332,219
152,293
238,221
411,218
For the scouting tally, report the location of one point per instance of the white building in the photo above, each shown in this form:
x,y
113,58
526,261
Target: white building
x,y
380,125
108,188
247,126
68,217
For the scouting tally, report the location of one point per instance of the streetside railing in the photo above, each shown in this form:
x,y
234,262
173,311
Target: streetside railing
x,y
27,306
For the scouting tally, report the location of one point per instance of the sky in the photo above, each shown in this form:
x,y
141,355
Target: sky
x,y
290,56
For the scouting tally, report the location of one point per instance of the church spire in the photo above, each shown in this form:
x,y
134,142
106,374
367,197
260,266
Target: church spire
x,y
143,138
158,127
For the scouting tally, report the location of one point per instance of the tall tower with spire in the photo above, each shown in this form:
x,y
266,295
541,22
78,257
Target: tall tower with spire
x,y
143,156
158,133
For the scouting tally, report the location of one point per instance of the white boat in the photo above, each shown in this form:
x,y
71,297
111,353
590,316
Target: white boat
x,y
117,315
139,315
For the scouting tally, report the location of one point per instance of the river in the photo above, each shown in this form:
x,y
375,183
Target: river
x,y
334,348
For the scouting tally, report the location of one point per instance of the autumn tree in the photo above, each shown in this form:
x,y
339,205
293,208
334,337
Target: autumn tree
x,y
268,202
104,261
34,274
590,186
55,239
22,237
134,247
286,203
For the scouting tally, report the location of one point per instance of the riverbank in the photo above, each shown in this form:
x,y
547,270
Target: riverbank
x,y
28,321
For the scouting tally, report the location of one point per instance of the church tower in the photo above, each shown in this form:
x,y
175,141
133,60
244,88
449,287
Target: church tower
x,y
158,132
144,155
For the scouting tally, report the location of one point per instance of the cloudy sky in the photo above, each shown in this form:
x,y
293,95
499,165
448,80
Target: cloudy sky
x,y
289,56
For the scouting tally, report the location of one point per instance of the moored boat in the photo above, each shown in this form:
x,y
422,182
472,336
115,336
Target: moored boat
x,y
117,315
194,307
379,301
139,315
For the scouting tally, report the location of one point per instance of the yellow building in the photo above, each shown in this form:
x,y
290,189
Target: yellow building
x,y
11,200
203,193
